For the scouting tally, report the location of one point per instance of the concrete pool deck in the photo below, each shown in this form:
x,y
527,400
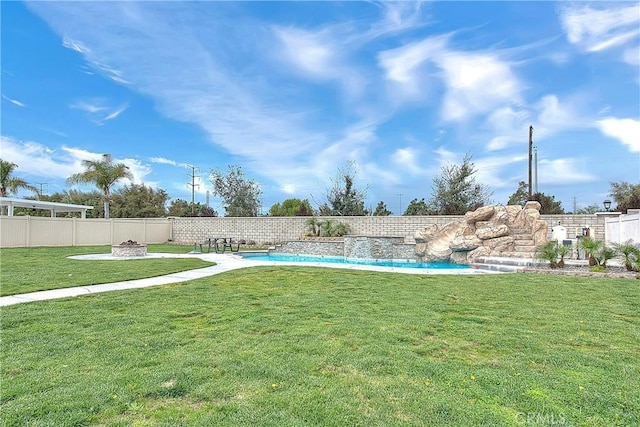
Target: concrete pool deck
x,y
224,263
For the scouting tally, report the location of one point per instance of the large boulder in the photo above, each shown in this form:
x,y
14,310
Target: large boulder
x,y
433,243
481,214
465,240
492,231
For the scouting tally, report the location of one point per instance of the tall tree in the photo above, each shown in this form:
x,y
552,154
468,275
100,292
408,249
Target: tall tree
x,y
344,199
138,201
11,184
104,173
591,209
627,196
241,196
292,207
180,207
456,191
381,210
417,207
520,196
548,204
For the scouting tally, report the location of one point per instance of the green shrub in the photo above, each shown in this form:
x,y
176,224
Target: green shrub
x,y
327,228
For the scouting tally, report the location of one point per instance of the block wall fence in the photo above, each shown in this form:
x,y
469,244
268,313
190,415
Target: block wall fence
x,y
272,230
26,231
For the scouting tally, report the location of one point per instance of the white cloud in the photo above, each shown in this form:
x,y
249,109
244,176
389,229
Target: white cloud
x,y
87,107
565,171
397,16
138,169
626,131
404,67
508,124
600,29
489,170
554,116
98,110
476,83
38,160
632,56
74,45
35,159
319,55
407,160
115,113
14,101
163,161
308,51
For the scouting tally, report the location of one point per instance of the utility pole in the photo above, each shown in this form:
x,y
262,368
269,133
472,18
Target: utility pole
x,y
530,160
41,184
400,194
193,187
535,170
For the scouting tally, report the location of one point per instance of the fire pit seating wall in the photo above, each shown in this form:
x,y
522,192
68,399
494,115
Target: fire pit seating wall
x,y
130,248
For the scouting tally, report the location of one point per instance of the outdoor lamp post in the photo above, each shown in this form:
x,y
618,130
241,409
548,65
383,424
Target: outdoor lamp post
x,y
607,205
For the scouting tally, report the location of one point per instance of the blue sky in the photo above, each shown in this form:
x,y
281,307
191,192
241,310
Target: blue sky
x,y
290,91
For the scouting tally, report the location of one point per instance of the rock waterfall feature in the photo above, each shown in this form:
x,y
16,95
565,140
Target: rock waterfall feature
x,y
511,231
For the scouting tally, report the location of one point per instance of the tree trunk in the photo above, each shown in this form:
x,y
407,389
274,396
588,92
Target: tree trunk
x,y
106,203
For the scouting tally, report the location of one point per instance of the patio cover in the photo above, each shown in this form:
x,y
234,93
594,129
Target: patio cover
x,y
38,204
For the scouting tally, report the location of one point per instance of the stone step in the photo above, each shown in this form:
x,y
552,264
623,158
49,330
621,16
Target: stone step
x,y
522,236
496,267
525,248
523,241
520,231
527,255
514,261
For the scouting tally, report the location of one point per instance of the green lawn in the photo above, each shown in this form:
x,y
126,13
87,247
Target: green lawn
x,y
283,346
25,270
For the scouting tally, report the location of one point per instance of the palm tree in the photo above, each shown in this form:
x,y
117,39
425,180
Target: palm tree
x,y
630,254
8,183
548,252
103,173
591,247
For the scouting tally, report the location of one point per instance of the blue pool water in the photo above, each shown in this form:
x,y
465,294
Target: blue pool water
x,y
341,260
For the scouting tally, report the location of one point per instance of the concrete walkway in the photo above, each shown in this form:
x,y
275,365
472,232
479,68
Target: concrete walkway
x,y
224,263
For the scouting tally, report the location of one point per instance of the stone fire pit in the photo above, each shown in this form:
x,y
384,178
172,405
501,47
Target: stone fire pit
x,y
130,248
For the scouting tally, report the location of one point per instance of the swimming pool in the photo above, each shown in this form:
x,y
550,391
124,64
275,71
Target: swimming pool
x,y
342,260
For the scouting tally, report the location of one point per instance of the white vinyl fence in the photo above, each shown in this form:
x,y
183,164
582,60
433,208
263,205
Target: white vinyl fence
x,y
27,231
623,228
